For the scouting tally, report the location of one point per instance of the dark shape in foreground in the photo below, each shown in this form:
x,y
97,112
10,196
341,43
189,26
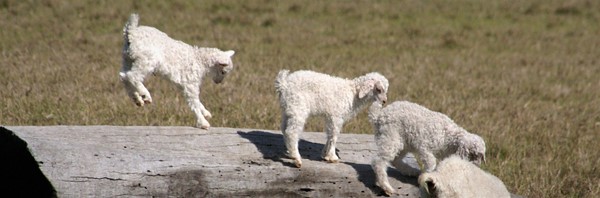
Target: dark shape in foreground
x,y
20,173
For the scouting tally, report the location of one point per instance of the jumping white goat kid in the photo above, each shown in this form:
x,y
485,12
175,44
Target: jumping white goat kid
x,y
147,50
455,177
403,127
306,93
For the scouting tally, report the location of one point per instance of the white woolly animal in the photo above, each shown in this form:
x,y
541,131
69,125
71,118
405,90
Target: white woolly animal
x,y
147,50
455,177
404,127
306,93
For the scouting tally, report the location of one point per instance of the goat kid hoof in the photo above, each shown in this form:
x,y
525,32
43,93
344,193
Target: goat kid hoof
x,y
298,163
205,127
388,193
146,99
333,159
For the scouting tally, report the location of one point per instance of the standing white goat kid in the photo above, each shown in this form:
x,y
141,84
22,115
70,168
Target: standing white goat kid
x,y
147,50
306,93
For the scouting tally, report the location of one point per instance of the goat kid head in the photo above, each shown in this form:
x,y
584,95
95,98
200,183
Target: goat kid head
x,y
222,66
375,85
472,148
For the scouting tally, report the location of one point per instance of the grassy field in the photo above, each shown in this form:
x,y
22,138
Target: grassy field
x,y
525,75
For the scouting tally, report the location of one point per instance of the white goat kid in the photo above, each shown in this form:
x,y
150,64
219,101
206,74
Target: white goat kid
x,y
404,127
147,50
455,177
306,93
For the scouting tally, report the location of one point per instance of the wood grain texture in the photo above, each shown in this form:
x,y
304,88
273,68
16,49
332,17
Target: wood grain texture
x,y
149,161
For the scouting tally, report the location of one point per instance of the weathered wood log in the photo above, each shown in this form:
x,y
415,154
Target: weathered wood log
x,y
113,161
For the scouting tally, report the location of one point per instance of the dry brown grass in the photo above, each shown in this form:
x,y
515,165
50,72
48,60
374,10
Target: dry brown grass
x,y
524,75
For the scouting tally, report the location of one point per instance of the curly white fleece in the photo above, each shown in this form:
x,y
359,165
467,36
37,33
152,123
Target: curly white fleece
x,y
147,50
306,93
455,177
404,127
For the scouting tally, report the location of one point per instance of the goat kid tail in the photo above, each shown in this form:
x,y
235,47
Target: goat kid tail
x,y
131,23
280,81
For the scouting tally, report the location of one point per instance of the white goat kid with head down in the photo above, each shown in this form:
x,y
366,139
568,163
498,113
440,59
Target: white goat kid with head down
x,y
147,50
306,93
404,127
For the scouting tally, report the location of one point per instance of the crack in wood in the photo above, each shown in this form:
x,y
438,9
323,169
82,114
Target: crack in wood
x,y
98,178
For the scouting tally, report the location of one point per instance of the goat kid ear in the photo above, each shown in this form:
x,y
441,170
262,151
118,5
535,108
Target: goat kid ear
x,y
379,87
229,53
365,88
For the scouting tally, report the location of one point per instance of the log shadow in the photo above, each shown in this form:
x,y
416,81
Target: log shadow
x,y
20,172
367,177
272,147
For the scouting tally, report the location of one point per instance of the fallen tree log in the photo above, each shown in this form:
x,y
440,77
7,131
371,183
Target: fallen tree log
x,y
113,161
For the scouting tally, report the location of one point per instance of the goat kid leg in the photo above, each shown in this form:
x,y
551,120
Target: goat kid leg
x,y
144,94
290,136
191,92
387,151
133,74
333,128
380,165
429,161
132,82
126,77
130,89
284,120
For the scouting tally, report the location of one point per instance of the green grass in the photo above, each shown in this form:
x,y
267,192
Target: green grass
x,y
524,75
